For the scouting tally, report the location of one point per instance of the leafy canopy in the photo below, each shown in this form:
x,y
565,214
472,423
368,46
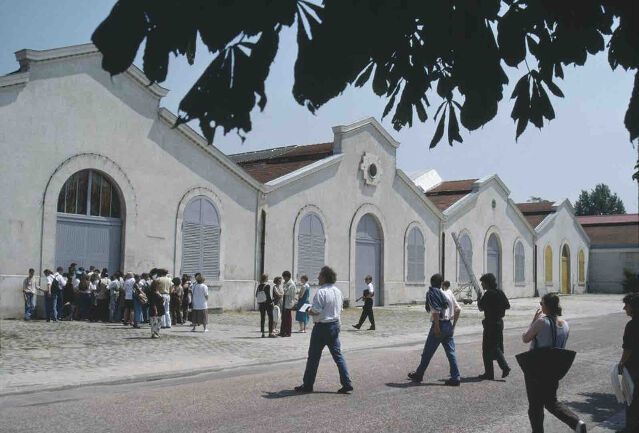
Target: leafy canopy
x,y
599,201
406,48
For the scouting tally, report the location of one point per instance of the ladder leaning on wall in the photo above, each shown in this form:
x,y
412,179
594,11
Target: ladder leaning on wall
x,y
466,288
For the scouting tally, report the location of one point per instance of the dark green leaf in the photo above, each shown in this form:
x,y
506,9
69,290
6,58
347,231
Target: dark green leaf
x,y
453,126
439,132
365,75
554,89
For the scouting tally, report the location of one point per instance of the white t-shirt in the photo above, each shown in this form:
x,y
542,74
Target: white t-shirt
x,y
453,306
128,288
328,303
371,289
200,292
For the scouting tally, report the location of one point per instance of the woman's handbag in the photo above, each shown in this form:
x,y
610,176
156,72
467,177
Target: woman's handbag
x,y
546,363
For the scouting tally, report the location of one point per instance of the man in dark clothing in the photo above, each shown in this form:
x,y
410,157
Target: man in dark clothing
x,y
367,311
493,303
630,359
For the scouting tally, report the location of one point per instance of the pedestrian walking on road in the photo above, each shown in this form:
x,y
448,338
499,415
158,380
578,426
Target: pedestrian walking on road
x,y
290,301
156,311
200,305
494,303
29,290
265,305
444,312
548,331
326,311
630,359
367,311
301,317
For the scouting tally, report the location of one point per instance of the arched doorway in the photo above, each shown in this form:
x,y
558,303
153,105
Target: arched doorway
x,y
368,255
565,269
201,239
493,258
89,222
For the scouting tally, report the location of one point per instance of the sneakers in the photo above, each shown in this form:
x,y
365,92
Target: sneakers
x,y
581,427
505,373
303,389
452,382
414,377
345,389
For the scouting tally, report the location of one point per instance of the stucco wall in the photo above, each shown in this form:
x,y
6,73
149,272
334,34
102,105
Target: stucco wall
x,y
478,219
562,229
72,116
340,196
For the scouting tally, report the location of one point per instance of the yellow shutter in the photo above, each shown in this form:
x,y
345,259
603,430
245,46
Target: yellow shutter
x,y
582,267
548,264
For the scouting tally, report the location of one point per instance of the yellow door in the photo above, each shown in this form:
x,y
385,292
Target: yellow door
x,y
565,275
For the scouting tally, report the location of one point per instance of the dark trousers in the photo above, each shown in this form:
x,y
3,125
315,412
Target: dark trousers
x,y
266,309
632,411
367,312
176,311
544,395
287,321
492,346
325,334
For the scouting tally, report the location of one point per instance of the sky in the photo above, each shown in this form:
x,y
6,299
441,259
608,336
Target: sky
x,y
584,145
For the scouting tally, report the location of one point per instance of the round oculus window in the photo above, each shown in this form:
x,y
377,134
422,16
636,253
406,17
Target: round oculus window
x,y
372,170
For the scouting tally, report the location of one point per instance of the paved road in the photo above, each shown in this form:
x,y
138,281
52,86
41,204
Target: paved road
x,y
258,398
82,352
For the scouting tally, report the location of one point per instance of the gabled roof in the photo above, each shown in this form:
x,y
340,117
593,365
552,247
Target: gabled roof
x,y
448,193
611,230
267,165
536,212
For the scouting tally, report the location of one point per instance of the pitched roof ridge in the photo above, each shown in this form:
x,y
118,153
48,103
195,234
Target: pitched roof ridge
x,y
273,153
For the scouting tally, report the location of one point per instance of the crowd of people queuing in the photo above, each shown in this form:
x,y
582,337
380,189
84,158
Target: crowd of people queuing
x,y
157,299
95,295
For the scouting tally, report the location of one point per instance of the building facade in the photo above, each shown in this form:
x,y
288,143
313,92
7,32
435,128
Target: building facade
x,y
96,174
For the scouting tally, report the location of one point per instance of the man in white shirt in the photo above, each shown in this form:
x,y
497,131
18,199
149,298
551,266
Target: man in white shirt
x,y
326,310
128,286
114,294
367,311
29,290
443,308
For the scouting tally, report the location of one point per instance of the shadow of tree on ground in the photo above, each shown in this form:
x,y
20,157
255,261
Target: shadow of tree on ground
x,y
599,405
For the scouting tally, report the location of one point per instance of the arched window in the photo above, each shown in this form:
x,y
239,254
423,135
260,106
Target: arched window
x,y
310,247
88,192
201,239
548,264
520,261
415,256
582,267
467,253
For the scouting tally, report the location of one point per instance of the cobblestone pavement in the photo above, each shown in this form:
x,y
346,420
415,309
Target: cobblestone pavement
x,y
37,355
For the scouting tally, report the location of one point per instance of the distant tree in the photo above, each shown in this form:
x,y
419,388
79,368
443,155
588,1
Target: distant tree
x,y
535,199
599,201
406,49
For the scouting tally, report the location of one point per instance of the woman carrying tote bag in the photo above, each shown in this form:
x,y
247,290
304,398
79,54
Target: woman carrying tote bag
x,y
546,364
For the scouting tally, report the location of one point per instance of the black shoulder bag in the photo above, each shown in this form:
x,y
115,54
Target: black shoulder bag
x,y
546,363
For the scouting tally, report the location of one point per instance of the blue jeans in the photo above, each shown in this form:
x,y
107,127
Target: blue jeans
x,y
325,334
51,305
113,308
29,306
432,343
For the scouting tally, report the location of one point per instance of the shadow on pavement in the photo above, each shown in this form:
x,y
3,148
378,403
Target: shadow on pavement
x,y
412,384
600,406
291,393
476,379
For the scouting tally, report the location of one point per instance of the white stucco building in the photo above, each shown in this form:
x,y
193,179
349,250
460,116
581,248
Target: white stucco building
x,y
95,174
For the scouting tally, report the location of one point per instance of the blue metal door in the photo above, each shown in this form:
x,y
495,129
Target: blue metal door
x,y
368,248
88,241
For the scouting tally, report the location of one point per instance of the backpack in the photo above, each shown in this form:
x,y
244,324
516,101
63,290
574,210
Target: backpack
x,y
55,286
260,296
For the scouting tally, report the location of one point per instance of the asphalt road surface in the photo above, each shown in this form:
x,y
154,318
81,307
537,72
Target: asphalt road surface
x,y
259,399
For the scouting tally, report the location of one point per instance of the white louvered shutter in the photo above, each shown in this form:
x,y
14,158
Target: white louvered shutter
x,y
201,239
415,253
191,247
310,247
